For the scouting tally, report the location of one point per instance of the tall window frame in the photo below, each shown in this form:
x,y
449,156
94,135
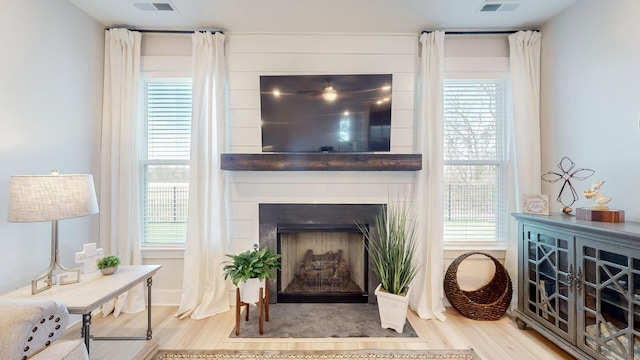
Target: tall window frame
x,y
476,142
165,134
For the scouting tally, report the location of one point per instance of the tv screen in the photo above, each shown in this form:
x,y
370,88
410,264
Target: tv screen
x,y
326,113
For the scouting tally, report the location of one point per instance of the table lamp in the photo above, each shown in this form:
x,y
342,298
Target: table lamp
x,y
34,198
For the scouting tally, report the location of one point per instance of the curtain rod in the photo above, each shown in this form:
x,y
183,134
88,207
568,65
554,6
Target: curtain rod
x,y
476,32
168,31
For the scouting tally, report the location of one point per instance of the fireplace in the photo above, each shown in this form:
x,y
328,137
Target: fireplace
x,y
323,252
322,263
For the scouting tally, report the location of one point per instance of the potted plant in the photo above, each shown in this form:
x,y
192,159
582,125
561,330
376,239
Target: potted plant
x,y
108,264
250,269
392,250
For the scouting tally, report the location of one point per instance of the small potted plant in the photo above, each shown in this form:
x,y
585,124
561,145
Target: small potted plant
x,y
392,250
249,270
108,264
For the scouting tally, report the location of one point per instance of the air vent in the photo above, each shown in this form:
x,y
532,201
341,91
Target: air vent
x,y
155,6
163,6
499,6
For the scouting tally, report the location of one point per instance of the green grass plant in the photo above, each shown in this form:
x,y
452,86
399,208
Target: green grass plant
x,y
392,247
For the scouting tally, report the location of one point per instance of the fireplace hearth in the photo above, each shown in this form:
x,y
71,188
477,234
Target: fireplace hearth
x,y
323,252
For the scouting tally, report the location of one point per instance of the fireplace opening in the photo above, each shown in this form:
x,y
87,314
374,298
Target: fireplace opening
x,y
322,264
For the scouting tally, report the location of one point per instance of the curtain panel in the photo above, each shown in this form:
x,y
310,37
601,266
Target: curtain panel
x,y
119,208
525,163
204,290
427,298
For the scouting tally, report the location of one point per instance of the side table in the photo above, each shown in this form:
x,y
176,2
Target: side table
x,y
93,291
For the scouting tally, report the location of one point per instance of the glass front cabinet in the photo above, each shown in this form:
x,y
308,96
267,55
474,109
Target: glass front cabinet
x,y
579,284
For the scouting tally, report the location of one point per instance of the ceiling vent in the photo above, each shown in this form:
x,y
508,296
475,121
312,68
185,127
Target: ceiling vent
x,y
155,6
499,6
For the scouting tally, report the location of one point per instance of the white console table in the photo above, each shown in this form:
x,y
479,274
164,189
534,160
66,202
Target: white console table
x,y
93,291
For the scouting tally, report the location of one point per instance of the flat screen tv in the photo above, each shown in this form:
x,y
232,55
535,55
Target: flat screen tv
x,y
326,113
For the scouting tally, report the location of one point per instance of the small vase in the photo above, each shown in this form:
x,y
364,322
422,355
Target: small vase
x,y
250,290
109,270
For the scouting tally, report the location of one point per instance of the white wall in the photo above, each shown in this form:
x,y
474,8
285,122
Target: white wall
x,y
50,106
590,99
252,55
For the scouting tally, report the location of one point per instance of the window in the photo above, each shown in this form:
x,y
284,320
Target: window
x,y
475,161
164,168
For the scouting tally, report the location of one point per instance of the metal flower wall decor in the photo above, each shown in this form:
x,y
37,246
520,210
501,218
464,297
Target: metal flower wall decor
x,y
568,194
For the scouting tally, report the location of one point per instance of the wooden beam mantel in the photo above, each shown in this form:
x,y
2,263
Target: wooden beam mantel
x,y
321,162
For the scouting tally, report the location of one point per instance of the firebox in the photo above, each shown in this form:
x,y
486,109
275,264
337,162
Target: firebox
x,y
337,248
322,263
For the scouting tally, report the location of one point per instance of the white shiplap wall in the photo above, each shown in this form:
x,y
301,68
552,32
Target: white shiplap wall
x,y
252,55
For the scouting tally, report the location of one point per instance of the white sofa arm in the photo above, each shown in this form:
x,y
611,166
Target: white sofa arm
x,y
30,326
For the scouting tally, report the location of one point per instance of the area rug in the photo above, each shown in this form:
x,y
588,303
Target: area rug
x,y
307,320
312,355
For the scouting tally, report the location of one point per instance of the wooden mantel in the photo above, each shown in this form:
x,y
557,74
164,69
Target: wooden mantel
x,y
321,162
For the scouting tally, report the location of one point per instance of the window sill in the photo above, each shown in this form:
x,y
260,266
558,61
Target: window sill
x,y
475,246
161,252
450,255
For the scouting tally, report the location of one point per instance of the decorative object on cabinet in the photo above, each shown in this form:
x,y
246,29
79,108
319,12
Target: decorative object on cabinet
x,y
567,167
490,302
599,211
537,204
51,198
579,284
612,216
594,193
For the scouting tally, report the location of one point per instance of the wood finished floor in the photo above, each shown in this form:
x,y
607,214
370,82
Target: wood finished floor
x,y
490,339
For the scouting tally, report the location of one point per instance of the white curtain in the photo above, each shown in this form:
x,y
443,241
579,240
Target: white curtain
x,y
427,299
204,290
524,48
119,208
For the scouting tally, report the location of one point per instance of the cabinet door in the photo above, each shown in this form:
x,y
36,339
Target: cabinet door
x,y
608,300
548,276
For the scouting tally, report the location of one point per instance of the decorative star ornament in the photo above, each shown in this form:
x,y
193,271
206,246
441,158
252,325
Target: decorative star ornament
x,y
568,194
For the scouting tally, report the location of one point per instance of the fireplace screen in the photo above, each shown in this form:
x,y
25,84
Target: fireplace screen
x,y
322,266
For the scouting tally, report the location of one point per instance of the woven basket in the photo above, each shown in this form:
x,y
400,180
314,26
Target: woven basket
x,y
490,302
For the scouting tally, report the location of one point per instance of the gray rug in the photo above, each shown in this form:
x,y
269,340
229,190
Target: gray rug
x,y
319,321
313,355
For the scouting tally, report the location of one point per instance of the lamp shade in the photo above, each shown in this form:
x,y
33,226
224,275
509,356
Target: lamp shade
x,y
51,197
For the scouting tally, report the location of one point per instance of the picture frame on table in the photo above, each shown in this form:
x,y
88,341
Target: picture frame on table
x,y
536,204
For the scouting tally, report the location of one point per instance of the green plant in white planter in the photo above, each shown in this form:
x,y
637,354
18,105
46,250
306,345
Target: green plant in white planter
x,y
251,268
108,264
392,250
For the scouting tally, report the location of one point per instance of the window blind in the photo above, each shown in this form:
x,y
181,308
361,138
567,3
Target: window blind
x,y
168,120
165,164
475,154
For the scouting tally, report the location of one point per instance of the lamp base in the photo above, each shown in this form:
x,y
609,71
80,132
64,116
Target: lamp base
x,y
47,275
49,280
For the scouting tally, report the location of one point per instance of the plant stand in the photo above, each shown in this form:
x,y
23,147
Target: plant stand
x,y
263,306
393,309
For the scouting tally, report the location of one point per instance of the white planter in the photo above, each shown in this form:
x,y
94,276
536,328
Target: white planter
x,y
109,270
250,290
393,309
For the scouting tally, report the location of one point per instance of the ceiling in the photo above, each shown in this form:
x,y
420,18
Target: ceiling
x,y
326,16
